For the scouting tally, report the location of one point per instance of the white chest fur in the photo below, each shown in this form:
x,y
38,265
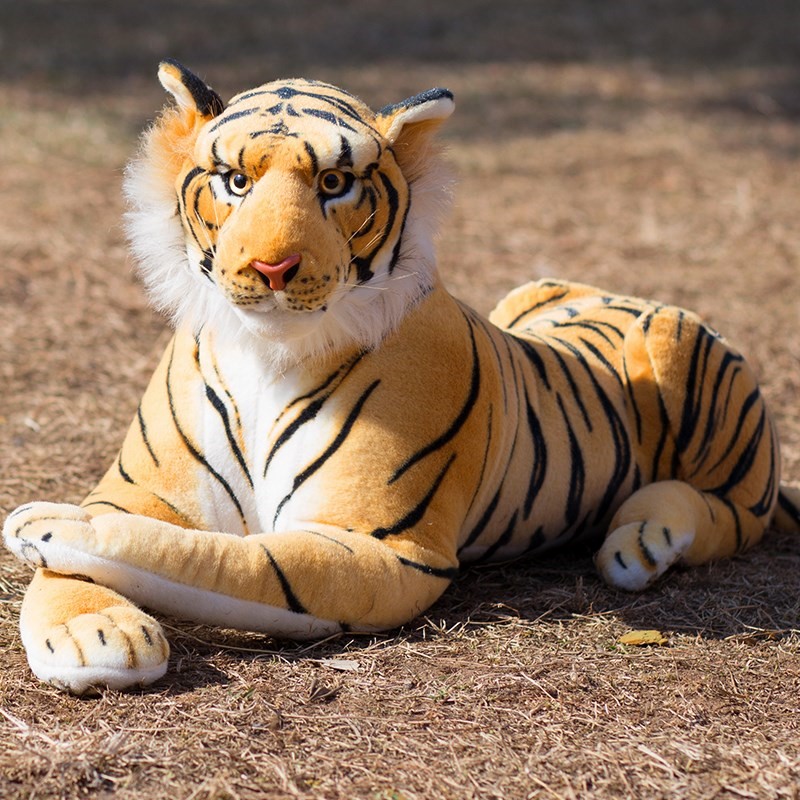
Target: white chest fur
x,y
258,435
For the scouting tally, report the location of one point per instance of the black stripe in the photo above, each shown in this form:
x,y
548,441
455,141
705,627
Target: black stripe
x,y
370,194
577,476
340,105
345,153
233,115
416,100
744,464
189,177
481,524
484,461
278,129
399,243
536,541
729,396
575,392
622,448
128,479
196,454
595,326
765,504
731,506
602,359
106,503
216,160
316,390
490,332
312,155
712,415
291,599
330,450
487,514
123,473
330,539
663,418
208,261
536,306
309,412
363,264
418,512
707,440
328,117
637,416
539,466
695,387
145,439
535,358
502,540
242,98
220,408
646,554
448,573
457,423
749,402
208,254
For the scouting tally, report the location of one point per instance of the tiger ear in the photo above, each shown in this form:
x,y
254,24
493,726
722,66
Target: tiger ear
x,y
410,126
191,94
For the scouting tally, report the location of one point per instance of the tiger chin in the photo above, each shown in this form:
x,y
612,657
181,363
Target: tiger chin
x,y
330,435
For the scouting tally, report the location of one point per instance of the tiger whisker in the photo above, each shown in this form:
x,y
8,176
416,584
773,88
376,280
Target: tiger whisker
x,y
361,226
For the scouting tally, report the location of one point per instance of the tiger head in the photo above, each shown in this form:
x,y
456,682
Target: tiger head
x,y
294,214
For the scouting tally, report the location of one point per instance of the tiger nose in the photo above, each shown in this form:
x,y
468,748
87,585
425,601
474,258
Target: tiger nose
x,y
276,276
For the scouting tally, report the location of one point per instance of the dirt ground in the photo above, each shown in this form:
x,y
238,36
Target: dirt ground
x,y
649,147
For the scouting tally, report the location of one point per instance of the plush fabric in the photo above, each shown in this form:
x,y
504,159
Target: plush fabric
x,y
330,434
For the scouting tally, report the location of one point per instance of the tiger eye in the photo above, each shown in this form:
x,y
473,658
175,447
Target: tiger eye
x,y
237,183
334,182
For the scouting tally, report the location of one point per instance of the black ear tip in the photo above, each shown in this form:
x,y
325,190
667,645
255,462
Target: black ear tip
x,y
417,100
435,94
208,102
172,62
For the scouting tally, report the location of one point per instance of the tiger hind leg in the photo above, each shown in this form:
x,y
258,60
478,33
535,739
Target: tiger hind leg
x,y
670,522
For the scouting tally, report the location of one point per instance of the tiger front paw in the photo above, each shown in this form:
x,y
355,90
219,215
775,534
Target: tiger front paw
x,y
636,554
116,647
38,533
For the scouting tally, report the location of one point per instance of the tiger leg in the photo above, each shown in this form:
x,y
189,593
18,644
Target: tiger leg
x,y
668,522
77,634
300,584
705,443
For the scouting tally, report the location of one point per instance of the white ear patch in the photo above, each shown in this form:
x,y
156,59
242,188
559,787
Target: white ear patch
x,y
170,79
189,91
435,105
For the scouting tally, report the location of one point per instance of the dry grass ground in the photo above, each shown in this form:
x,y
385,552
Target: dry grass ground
x,y
652,147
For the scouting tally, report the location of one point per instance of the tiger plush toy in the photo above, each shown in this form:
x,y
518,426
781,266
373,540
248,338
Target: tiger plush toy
x,y
330,434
